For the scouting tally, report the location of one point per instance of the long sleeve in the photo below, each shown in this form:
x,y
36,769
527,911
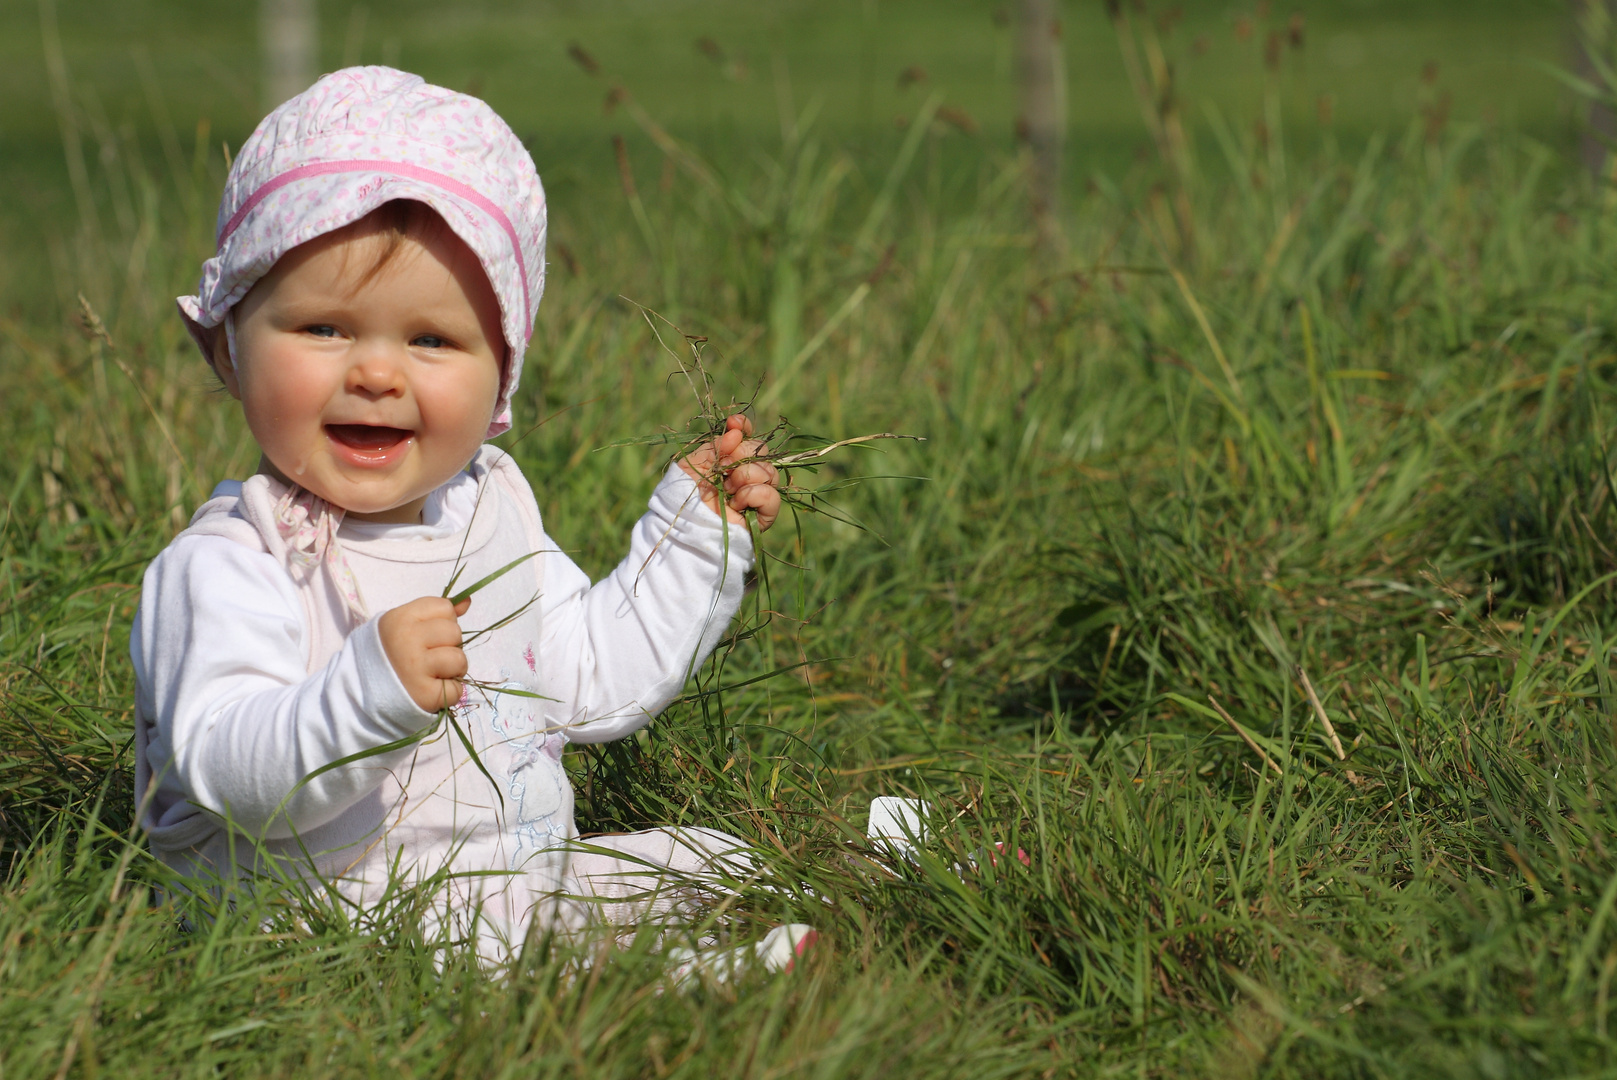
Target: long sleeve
x,y
236,722
616,653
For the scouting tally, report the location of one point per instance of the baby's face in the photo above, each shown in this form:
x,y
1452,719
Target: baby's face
x,y
370,394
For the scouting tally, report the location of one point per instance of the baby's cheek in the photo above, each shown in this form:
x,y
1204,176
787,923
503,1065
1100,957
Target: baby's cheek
x,y
279,382
280,419
456,412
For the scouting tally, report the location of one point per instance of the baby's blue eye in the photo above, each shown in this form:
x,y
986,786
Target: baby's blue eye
x,y
429,341
321,331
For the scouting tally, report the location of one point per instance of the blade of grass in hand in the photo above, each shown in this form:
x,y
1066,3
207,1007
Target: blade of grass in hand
x,y
467,592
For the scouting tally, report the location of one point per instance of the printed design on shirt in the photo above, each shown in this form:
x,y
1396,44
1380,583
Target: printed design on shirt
x,y
538,807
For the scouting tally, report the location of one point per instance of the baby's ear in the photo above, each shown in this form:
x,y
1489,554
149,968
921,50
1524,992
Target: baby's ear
x,y
218,352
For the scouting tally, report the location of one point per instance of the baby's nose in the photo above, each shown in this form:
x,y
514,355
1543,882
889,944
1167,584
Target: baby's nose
x,y
377,369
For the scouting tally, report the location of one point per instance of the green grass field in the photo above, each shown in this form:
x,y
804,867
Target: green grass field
x,y
1331,408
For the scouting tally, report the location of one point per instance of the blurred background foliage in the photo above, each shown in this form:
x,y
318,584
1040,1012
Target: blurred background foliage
x,y
159,78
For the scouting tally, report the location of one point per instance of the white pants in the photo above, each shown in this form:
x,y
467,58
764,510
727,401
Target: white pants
x,y
659,874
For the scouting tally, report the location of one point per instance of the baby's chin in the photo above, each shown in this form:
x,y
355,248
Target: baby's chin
x,y
354,500
387,511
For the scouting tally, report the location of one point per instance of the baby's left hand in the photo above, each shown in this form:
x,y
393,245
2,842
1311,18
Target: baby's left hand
x,y
752,485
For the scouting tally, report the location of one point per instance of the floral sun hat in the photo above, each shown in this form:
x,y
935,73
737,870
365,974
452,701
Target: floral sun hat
x,y
362,137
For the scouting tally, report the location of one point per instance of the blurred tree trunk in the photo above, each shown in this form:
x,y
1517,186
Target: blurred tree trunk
x,y
288,35
1594,27
1043,120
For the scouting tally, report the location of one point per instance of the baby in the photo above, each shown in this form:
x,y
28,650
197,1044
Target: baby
x,y
380,257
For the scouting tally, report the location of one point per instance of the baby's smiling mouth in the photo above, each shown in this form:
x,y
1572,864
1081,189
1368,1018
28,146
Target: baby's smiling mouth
x,y
368,436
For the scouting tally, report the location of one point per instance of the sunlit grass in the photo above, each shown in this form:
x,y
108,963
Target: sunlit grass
x,y
1356,425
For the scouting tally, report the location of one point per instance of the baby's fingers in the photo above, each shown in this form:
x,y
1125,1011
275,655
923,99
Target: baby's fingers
x,y
444,662
755,472
762,499
447,695
749,448
732,443
433,634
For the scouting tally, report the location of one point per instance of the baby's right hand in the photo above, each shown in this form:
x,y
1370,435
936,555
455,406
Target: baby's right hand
x,y
422,641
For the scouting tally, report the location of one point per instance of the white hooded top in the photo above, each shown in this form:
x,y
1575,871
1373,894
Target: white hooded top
x,y
251,675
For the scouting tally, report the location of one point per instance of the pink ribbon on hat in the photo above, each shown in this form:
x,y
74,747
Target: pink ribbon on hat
x,y
412,172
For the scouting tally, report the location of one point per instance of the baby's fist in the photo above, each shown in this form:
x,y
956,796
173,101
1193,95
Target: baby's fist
x,y
735,464
422,642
